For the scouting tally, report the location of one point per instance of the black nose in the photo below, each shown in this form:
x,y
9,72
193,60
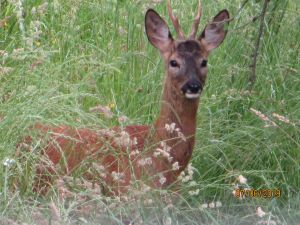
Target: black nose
x,y
192,86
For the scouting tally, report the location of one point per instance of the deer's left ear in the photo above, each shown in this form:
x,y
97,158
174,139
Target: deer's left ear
x,y
214,32
158,32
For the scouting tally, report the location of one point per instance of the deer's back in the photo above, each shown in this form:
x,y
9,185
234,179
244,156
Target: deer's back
x,y
109,149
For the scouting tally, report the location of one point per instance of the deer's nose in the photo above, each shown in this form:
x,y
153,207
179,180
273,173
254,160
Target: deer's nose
x,y
192,89
192,86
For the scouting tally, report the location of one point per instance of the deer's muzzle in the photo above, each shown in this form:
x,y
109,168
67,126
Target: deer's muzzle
x,y
192,89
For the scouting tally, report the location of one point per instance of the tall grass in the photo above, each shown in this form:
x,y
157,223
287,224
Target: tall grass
x,y
86,53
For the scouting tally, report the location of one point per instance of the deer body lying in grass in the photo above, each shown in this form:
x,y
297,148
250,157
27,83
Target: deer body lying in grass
x,y
156,153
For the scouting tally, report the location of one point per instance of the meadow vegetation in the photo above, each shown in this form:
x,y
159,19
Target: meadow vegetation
x,y
61,59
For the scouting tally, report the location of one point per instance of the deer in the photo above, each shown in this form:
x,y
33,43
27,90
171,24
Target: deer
x,y
157,152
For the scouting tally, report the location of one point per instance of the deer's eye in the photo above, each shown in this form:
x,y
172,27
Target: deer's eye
x,y
173,63
204,63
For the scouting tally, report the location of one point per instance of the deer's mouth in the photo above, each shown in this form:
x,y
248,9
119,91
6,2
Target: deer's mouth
x,y
191,95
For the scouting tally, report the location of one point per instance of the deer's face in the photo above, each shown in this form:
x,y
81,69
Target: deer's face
x,y
187,68
185,58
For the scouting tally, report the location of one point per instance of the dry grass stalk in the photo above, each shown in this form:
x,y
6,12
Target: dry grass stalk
x,y
55,214
263,117
282,119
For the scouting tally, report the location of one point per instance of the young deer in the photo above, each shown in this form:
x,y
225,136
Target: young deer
x,y
158,152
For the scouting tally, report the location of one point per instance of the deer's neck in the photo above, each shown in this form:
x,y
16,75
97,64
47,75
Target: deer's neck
x,y
177,109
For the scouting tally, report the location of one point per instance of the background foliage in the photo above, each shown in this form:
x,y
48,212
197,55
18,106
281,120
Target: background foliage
x,y
58,59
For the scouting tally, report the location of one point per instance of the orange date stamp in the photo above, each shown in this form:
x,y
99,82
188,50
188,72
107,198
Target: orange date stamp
x,y
257,193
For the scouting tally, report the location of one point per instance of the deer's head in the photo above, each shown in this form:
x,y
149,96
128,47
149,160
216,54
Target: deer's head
x,y
186,58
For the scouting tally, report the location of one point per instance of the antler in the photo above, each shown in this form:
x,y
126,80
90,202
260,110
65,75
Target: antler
x,y
196,22
175,21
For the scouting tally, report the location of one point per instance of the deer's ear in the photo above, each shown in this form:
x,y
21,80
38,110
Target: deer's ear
x,y
158,31
214,32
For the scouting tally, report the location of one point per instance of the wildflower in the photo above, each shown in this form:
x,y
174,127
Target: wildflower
x,y
124,198
194,192
117,176
156,1
212,205
181,175
3,23
8,162
33,11
146,161
29,42
165,154
260,212
103,175
5,70
123,139
42,8
100,169
165,146
35,27
185,177
112,205
18,50
107,132
175,166
110,45
56,6
164,151
204,206
181,135
123,119
242,179
193,183
134,141
122,31
105,110
18,54
145,188
30,90
156,154
3,53
218,204
35,64
134,152
170,127
190,169
35,33
162,179
19,10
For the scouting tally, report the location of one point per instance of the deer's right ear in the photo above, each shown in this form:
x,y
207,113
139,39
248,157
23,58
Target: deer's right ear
x,y
158,31
214,32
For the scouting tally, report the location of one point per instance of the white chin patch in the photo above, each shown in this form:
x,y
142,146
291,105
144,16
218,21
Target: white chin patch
x,y
191,95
